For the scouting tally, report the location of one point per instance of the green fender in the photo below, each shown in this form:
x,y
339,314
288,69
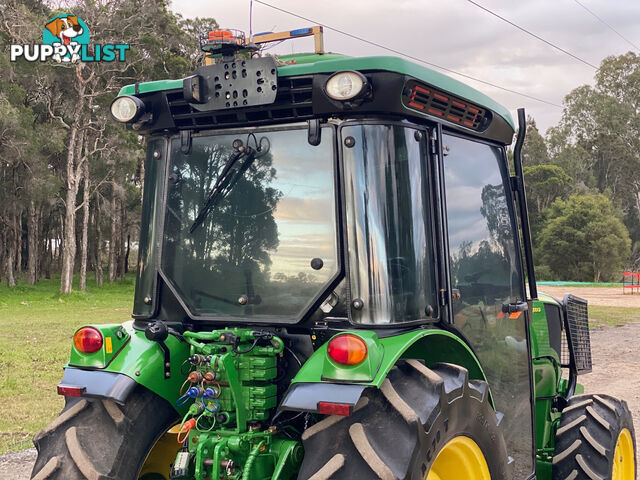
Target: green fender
x,y
430,345
127,351
142,360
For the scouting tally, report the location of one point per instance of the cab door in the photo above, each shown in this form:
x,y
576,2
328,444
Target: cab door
x,y
485,274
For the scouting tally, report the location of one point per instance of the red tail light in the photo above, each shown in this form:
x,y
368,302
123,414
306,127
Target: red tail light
x,y
67,391
347,349
329,408
88,340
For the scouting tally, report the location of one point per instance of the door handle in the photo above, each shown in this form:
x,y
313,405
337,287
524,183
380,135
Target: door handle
x,y
515,307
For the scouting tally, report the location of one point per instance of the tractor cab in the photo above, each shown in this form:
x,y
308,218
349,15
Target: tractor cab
x,y
331,284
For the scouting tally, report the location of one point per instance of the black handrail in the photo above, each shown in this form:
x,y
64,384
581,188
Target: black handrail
x,y
522,203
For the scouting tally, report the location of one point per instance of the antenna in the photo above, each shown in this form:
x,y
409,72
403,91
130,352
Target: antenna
x,y
250,20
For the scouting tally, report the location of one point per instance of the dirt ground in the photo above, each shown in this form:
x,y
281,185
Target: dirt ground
x,y
602,296
616,363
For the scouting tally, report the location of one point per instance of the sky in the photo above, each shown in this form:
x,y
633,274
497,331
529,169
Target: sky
x,y
460,36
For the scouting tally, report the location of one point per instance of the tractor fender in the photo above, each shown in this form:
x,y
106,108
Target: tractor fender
x,y
132,359
323,380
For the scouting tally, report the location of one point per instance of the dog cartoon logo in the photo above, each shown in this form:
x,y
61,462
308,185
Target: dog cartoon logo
x,y
67,31
66,40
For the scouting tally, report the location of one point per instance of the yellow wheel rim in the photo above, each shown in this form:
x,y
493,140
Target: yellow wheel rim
x,y
459,458
158,462
623,461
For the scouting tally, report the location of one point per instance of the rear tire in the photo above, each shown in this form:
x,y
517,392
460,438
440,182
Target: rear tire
x,y
397,431
589,431
99,440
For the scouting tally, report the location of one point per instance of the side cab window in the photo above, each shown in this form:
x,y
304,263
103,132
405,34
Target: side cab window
x,y
485,268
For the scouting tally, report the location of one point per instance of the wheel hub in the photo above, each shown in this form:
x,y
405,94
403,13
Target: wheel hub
x,y
461,457
623,461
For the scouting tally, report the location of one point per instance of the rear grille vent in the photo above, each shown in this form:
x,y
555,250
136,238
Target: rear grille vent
x,y
577,328
428,100
293,102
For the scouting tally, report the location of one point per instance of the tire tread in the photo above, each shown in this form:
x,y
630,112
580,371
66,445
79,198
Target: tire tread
x,y
587,436
92,439
387,437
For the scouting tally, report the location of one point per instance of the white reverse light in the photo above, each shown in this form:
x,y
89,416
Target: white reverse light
x,y
346,85
127,109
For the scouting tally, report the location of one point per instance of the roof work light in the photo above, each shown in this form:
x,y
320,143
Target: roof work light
x,y
346,85
127,108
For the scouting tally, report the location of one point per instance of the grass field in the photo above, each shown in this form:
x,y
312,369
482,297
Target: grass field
x,y
36,331
599,315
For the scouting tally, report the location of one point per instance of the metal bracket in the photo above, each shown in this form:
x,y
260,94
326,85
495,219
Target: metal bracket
x,y
234,84
158,332
316,31
185,141
444,299
514,183
314,132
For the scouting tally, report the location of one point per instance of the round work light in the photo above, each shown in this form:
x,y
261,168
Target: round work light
x,y
346,85
127,108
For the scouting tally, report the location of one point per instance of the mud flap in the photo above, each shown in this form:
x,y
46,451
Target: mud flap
x,y
99,384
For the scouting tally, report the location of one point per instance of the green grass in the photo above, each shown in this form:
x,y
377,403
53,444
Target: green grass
x,y
36,331
614,316
543,284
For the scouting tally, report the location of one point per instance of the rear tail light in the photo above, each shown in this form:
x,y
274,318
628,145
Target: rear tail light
x,y
347,349
88,340
329,408
70,391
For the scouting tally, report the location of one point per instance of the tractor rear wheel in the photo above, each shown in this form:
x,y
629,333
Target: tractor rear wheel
x,y
595,440
423,423
99,440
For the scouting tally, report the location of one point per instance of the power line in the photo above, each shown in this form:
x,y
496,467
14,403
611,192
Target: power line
x,y
610,27
397,52
533,35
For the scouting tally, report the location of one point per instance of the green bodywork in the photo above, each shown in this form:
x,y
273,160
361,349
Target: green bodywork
x,y
223,443
306,64
430,345
548,384
142,360
250,397
247,394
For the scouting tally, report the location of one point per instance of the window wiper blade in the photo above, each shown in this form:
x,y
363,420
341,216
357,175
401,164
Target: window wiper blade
x,y
228,177
216,192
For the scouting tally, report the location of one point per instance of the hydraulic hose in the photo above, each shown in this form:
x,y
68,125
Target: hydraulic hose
x,y
246,475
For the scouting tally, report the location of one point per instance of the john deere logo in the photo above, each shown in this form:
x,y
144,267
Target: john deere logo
x,y
66,40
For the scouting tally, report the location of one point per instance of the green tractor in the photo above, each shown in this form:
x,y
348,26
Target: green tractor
x,y
331,285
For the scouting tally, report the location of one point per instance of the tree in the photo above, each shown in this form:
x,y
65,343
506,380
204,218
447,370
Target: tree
x,y
598,139
61,153
534,150
584,240
544,184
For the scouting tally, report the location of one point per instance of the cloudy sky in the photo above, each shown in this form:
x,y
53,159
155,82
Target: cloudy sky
x,y
458,35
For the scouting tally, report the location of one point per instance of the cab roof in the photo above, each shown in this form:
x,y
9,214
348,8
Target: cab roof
x,y
310,63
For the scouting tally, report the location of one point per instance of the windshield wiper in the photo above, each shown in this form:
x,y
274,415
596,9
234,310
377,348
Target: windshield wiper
x,y
228,177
